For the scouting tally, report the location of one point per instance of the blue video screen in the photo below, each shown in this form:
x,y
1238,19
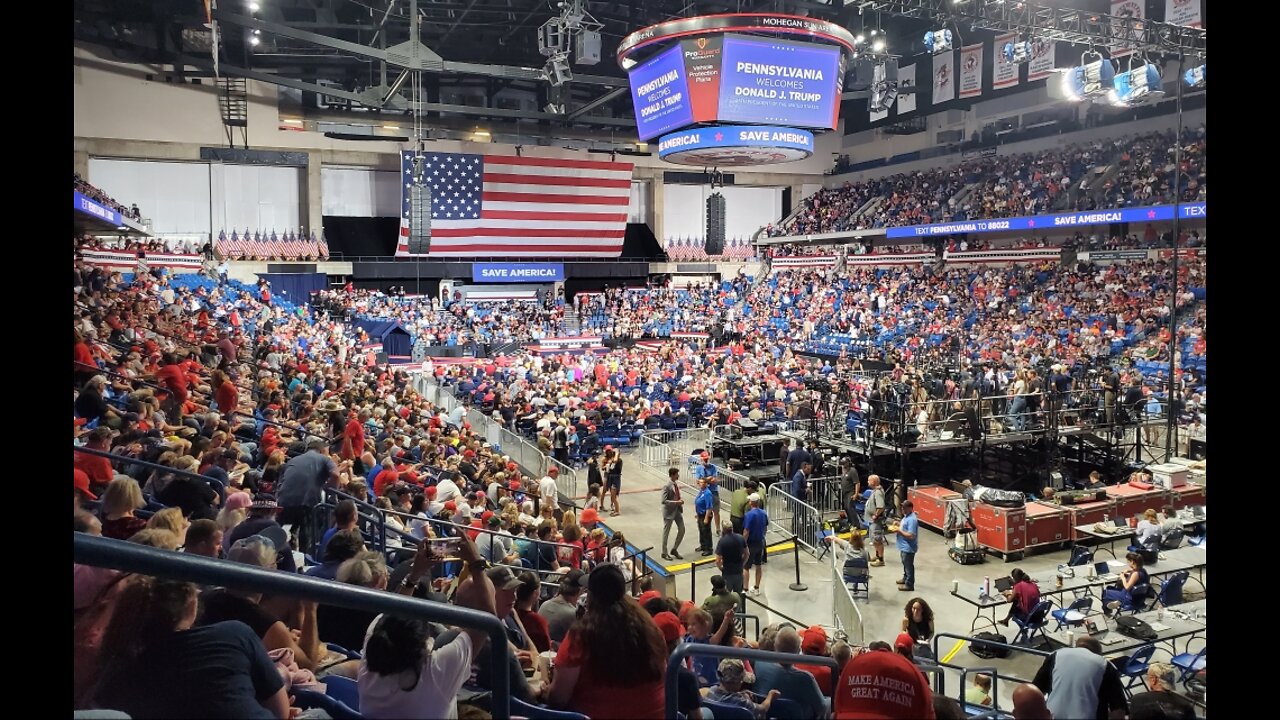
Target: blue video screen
x,y
774,81
660,94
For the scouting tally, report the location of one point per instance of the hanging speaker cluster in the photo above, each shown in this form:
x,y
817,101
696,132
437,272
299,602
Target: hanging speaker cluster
x,y
714,243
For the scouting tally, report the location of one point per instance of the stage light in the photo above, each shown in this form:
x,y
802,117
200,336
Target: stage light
x,y
1196,77
937,41
1019,52
254,7
878,45
253,40
860,39
1138,85
1090,79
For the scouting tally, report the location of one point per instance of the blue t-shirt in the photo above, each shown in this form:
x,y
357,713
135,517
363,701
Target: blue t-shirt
x,y
701,471
703,502
754,524
909,524
704,666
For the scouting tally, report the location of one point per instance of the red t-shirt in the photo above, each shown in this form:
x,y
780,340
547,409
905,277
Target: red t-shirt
x,y
82,356
596,695
536,627
227,397
1025,596
355,434
382,480
97,468
822,674
175,380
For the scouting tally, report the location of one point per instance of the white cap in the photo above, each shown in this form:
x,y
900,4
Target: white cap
x,y
753,497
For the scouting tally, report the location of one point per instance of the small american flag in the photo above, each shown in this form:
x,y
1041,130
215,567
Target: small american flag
x,y
507,206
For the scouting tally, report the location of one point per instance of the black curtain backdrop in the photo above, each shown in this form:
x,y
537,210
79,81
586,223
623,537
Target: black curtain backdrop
x,y
295,287
639,242
361,236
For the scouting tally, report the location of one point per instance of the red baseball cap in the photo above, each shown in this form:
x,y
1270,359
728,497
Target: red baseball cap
x,y
451,506
82,483
484,516
553,470
431,491
589,515
813,640
903,642
668,623
881,685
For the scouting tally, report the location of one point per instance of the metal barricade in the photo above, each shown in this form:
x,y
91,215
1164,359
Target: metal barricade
x,y
845,614
791,516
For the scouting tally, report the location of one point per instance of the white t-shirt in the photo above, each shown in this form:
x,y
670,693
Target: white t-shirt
x,y
547,489
433,696
447,490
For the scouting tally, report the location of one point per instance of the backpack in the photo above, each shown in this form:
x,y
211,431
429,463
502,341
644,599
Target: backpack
x,y
986,650
1135,628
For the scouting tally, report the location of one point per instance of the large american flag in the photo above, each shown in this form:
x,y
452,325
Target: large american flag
x,y
508,206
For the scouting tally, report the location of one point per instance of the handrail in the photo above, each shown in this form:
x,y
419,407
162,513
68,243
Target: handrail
x,y
132,557
720,651
144,463
469,528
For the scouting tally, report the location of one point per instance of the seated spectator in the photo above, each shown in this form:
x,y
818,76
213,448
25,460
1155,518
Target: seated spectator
x,y
262,521
171,519
221,604
526,601
1148,531
204,537
401,675
121,499
347,626
561,611
792,683
733,676
96,467
1161,701
162,666
342,547
612,662
979,693
344,518
813,641
862,688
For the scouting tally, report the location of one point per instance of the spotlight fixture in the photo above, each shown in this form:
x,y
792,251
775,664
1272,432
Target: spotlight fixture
x,y
884,92
254,7
937,41
1196,77
253,40
878,45
1092,78
1019,52
1139,85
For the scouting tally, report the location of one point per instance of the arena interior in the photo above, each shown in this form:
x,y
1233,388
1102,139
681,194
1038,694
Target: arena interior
x,y
885,320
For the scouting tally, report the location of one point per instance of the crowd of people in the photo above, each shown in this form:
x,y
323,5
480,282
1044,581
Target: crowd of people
x,y
83,187
1055,180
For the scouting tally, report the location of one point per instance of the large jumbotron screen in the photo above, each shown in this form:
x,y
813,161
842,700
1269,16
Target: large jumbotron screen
x,y
737,78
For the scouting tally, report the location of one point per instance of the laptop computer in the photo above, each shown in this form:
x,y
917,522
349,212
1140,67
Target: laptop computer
x,y
1004,584
1103,570
1197,511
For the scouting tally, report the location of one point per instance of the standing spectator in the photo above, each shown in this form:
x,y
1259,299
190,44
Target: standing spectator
x,y
672,513
731,556
1080,683
754,527
908,544
702,507
300,486
738,504
874,515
